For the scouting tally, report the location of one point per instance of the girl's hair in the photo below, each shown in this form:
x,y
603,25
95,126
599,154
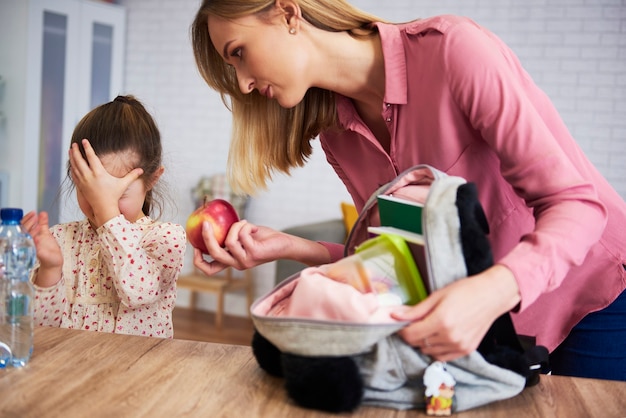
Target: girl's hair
x,y
124,125
265,136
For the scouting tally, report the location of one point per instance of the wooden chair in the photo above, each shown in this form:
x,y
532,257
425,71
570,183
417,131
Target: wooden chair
x,y
219,284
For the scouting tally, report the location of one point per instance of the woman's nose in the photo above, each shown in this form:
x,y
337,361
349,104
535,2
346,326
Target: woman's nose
x,y
246,83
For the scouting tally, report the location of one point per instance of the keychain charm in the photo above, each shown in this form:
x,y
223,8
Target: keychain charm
x,y
439,394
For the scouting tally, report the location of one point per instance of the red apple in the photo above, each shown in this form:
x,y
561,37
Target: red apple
x,y
219,213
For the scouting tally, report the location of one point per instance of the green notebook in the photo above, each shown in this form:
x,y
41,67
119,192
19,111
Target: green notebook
x,y
400,213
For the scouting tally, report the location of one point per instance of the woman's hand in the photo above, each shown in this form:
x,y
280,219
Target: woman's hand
x,y
452,321
101,189
248,245
48,251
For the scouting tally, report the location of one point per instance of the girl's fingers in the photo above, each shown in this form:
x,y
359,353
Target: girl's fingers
x,y
29,220
77,162
43,220
133,175
92,158
29,223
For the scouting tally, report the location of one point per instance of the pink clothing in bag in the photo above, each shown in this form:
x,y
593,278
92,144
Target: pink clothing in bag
x,y
315,296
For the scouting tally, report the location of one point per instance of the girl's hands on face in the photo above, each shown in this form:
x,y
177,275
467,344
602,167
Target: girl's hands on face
x,y
101,189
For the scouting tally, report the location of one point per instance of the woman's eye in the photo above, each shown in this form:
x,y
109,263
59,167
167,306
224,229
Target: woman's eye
x,y
236,53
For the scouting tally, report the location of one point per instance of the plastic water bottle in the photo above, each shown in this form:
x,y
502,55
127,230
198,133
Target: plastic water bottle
x,y
17,258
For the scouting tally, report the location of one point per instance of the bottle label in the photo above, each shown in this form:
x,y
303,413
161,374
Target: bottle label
x,y
17,306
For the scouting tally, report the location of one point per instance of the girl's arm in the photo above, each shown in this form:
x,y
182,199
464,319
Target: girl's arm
x,y
51,299
143,260
50,304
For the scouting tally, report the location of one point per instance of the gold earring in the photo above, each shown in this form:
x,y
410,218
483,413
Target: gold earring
x,y
292,31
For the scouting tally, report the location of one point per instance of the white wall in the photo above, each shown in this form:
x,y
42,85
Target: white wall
x,y
13,97
574,49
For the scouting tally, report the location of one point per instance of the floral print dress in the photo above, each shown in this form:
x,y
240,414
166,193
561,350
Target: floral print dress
x,y
120,278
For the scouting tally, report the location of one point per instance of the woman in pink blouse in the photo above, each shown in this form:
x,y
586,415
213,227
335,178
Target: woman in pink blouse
x,y
116,270
441,91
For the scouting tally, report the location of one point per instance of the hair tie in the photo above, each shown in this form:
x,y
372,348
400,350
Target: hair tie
x,y
122,99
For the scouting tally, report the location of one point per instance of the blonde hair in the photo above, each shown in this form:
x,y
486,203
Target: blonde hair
x,y
266,137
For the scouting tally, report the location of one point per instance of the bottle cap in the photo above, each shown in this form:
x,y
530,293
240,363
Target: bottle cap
x,y
11,214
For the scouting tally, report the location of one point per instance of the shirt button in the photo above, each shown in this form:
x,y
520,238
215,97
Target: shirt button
x,y
388,119
388,105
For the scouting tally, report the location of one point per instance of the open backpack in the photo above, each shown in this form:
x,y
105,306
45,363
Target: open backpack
x,y
337,348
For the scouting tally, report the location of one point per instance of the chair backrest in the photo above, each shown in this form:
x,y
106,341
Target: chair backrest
x,y
217,187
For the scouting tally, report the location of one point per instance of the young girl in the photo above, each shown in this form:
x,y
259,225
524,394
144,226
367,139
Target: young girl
x,y
442,91
115,270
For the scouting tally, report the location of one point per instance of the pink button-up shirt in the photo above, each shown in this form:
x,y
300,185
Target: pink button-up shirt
x,y
457,98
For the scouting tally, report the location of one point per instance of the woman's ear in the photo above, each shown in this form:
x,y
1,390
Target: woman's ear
x,y
155,177
291,13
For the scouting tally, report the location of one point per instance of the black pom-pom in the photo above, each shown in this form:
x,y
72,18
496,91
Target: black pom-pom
x,y
266,354
331,384
508,358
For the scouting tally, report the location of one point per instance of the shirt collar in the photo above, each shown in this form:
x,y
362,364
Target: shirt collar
x,y
395,74
395,62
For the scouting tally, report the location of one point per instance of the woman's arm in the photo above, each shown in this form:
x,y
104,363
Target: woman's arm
x,y
248,245
538,157
540,161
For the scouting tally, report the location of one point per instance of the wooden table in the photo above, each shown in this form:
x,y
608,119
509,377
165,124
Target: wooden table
x,y
90,374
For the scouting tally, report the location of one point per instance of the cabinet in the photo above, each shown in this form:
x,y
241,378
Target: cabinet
x,y
58,60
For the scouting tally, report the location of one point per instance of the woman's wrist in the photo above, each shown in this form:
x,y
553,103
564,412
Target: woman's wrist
x,y
505,286
308,252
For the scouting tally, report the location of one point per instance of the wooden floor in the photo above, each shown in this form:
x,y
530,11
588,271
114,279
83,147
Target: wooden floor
x,y
199,325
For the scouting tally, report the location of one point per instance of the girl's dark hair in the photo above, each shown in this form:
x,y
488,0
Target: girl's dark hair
x,y
124,125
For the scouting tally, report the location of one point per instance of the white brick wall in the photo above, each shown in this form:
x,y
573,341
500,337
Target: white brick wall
x,y
574,49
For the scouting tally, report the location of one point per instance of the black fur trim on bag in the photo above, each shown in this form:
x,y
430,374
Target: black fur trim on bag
x,y
501,345
332,384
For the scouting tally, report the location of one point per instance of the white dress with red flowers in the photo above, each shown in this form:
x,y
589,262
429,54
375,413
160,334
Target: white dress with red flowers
x,y
120,278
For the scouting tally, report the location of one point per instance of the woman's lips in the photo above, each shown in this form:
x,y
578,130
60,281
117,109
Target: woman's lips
x,y
267,92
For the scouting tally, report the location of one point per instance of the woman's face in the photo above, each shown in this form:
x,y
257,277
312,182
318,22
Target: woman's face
x,y
265,56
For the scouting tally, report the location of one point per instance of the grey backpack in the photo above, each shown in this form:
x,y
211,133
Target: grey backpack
x,y
337,365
